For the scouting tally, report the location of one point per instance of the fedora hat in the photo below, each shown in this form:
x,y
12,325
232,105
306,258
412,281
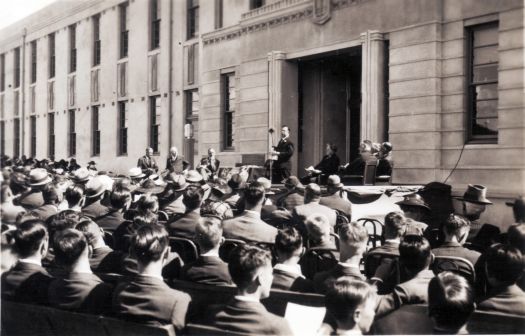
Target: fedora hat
x,y
194,176
334,181
81,175
178,182
38,177
475,193
95,187
221,188
266,184
149,186
136,172
414,200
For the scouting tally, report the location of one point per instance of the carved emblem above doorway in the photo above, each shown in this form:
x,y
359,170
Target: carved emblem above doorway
x,y
322,11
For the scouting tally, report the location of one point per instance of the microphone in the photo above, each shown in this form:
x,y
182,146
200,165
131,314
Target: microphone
x,y
271,130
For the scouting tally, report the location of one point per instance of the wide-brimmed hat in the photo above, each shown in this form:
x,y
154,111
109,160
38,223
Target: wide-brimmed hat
x,y
95,187
81,175
519,203
414,200
136,172
334,181
194,176
236,182
177,181
266,184
149,186
38,177
293,182
475,193
221,188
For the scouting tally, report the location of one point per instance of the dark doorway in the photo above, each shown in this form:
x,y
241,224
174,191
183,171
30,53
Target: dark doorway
x,y
329,106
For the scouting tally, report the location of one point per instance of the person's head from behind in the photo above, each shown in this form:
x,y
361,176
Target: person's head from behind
x,y
353,241
148,219
450,301
318,228
516,237
71,248
192,198
352,303
312,193
251,270
120,198
208,234
414,254
395,225
51,194
456,228
74,196
94,234
66,219
31,239
150,245
288,246
503,265
254,195
147,204
518,209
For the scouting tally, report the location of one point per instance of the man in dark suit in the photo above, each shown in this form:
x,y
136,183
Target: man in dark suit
x,y
312,197
415,257
94,193
329,165
120,201
209,166
456,229
284,151
146,297
209,268
147,163
504,267
287,273
79,289
248,226
385,165
175,162
357,166
184,225
334,199
251,270
28,281
322,255
352,245
50,207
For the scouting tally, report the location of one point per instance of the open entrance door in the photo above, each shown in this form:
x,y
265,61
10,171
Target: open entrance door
x,y
329,106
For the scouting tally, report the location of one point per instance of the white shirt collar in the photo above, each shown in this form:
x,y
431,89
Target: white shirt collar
x,y
211,253
153,276
246,298
293,269
254,212
30,261
347,332
395,240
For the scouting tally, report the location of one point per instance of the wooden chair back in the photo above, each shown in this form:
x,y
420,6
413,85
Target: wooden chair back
x,y
186,249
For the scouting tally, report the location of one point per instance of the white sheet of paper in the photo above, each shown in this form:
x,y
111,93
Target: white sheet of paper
x,y
304,320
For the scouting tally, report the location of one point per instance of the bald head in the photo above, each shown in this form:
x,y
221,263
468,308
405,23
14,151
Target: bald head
x,y
312,193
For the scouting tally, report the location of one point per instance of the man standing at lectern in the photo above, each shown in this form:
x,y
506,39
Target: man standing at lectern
x,y
283,151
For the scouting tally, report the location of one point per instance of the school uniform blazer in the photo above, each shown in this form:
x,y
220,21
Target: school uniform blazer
x,y
111,220
82,292
323,280
105,260
338,203
184,226
291,282
247,317
146,299
209,270
508,300
95,210
26,282
249,227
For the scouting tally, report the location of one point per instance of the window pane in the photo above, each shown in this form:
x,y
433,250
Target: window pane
x,y
487,91
485,36
485,73
487,126
485,55
486,108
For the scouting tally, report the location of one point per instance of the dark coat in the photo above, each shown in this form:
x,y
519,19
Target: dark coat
x,y
146,163
249,227
338,203
177,165
185,225
291,282
45,211
207,270
111,220
95,210
30,200
508,300
148,299
290,200
285,148
329,165
26,282
82,292
105,260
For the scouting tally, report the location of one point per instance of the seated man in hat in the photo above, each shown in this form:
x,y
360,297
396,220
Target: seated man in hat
x,y
147,162
312,197
335,198
504,266
32,199
120,201
472,205
136,177
94,193
415,210
184,225
209,268
293,195
51,200
146,297
175,162
28,281
81,176
79,289
352,246
287,274
248,226
251,270
456,229
171,200
518,209
237,184
385,163
450,303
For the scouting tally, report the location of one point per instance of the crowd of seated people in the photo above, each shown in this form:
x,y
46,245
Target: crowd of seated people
x,y
103,245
